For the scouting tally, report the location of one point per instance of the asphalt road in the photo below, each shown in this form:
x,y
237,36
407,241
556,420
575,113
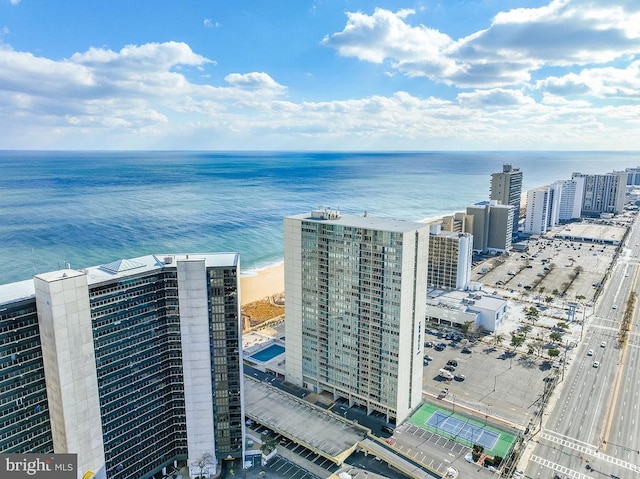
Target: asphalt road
x,y
592,429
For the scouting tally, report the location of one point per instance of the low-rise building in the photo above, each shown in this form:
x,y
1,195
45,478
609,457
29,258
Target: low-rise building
x,y
455,308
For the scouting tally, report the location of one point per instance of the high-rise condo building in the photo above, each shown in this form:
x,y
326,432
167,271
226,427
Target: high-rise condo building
x,y
506,189
570,194
131,365
450,259
603,193
356,292
633,176
539,210
492,223
459,222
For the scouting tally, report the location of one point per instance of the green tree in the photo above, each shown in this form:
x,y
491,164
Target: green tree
x,y
517,340
553,353
532,314
526,329
466,327
498,339
555,336
268,444
562,325
548,299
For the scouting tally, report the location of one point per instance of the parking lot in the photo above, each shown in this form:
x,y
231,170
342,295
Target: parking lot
x,y
551,267
497,383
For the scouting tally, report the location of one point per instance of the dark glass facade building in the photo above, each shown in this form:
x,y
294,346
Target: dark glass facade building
x,y
142,361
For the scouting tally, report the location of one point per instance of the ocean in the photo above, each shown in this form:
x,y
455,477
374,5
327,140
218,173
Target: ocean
x,y
91,208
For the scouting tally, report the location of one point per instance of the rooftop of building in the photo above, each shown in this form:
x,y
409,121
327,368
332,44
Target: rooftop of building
x,y
457,299
591,232
492,203
364,221
317,429
122,268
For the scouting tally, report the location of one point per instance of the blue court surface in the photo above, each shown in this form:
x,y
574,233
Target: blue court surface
x,y
268,353
462,429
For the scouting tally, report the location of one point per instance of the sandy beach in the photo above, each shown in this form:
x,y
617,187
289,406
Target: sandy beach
x,y
266,283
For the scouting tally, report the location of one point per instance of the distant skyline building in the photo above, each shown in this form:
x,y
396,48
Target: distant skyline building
x,y
492,223
603,193
355,310
139,364
450,258
506,188
459,222
633,176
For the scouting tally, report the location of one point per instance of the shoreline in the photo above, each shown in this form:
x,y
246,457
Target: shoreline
x,y
261,284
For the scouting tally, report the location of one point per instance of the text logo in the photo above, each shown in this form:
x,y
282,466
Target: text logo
x,y
43,466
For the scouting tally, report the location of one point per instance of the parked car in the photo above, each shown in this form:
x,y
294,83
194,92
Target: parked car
x,y
449,367
428,344
459,377
466,351
440,347
428,358
388,429
452,362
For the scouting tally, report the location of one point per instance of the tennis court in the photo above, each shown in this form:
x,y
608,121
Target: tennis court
x,y
463,429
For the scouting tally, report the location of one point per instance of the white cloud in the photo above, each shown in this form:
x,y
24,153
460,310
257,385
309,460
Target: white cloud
x,y
14,2
4,30
517,43
210,23
607,82
494,98
143,96
254,81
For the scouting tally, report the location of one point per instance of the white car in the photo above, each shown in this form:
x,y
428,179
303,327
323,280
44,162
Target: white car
x,y
603,344
615,306
596,364
590,352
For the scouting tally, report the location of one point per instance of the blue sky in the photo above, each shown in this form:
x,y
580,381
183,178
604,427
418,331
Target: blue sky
x,y
320,75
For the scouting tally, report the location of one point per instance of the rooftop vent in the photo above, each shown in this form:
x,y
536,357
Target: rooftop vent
x,y
325,214
120,266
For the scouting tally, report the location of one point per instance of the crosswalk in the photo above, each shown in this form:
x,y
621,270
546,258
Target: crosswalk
x,y
559,468
587,450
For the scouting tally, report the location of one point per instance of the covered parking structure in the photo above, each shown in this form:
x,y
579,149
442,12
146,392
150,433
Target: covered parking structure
x,y
314,428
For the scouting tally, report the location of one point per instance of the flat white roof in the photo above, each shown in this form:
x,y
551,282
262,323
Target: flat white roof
x,y
12,292
366,222
456,298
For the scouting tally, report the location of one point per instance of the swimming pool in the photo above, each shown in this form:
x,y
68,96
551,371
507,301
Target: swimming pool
x,y
268,353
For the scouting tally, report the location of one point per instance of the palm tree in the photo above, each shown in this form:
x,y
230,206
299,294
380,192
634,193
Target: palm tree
x,y
532,314
526,329
555,336
498,339
516,340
